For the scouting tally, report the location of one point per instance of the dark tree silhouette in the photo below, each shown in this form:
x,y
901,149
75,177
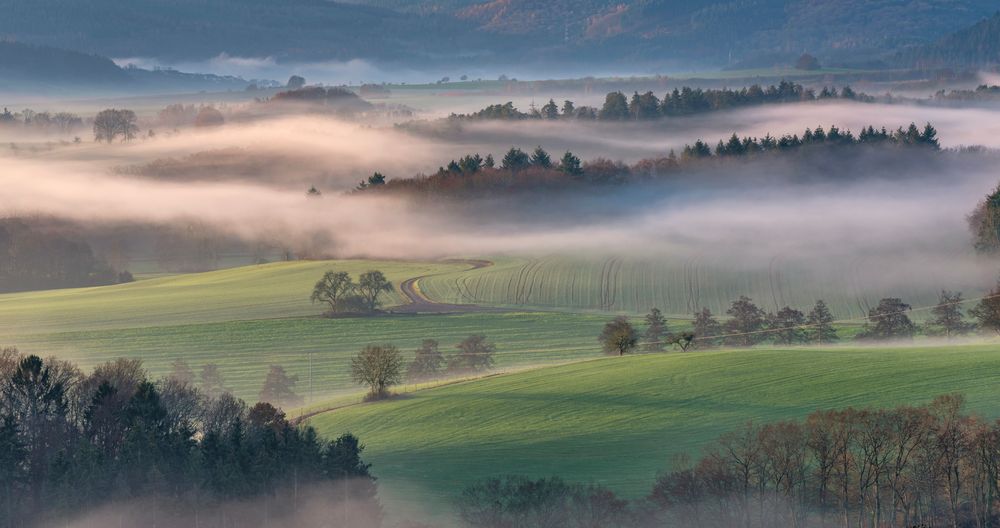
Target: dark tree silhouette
x,y
820,322
653,340
889,320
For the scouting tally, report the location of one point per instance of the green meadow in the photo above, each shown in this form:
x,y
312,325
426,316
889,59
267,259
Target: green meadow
x,y
619,421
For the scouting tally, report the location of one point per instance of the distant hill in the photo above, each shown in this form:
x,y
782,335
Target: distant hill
x,y
33,67
27,62
716,29
628,33
974,47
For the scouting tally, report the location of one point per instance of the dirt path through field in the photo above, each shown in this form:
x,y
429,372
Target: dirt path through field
x,y
419,303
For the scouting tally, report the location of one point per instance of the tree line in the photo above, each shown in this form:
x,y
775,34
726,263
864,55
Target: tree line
x,y
520,169
41,121
927,465
748,325
38,258
680,102
382,366
72,442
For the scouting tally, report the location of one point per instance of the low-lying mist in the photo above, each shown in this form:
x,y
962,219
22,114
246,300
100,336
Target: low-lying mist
x,y
908,215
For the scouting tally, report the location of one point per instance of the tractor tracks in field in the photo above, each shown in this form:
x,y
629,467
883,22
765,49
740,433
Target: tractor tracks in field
x,y
421,304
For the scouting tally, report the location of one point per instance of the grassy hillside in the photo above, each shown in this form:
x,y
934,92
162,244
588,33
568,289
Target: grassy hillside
x,y
244,350
618,421
239,294
680,285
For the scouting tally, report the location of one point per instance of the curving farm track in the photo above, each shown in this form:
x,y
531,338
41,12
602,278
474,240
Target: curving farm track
x,y
420,303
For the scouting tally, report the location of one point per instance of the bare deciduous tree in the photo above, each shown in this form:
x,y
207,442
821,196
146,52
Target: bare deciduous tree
x,y
378,367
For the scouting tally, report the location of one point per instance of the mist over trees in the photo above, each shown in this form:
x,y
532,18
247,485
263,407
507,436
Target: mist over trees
x,y
521,171
680,102
162,452
113,123
928,465
39,258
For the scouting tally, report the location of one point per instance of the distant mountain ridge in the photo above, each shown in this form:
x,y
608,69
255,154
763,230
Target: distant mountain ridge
x,y
33,67
491,32
974,47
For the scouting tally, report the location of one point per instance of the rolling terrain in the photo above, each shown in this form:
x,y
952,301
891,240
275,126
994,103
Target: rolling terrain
x,y
680,286
618,421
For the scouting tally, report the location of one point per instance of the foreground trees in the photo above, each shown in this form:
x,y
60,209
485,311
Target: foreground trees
x,y
909,466
162,453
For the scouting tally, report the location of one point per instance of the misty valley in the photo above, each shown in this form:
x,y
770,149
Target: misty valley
x,y
446,264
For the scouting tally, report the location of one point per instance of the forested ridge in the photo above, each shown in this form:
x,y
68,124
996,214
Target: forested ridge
x,y
518,170
513,32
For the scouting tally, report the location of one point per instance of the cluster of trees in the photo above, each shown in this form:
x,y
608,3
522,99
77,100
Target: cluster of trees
x,y
337,99
180,115
381,366
518,169
748,325
909,466
278,388
928,465
911,136
684,101
619,337
62,122
339,291
983,92
33,258
70,442
112,123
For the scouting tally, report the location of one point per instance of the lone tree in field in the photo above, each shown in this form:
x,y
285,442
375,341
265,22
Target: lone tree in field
x,y
279,388
656,331
705,327
948,319
370,286
987,311
820,322
889,320
618,336
334,289
378,367
785,327
475,354
745,323
427,363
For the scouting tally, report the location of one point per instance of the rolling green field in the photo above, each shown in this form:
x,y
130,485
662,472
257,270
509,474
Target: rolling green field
x,y
252,292
244,350
618,421
679,286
